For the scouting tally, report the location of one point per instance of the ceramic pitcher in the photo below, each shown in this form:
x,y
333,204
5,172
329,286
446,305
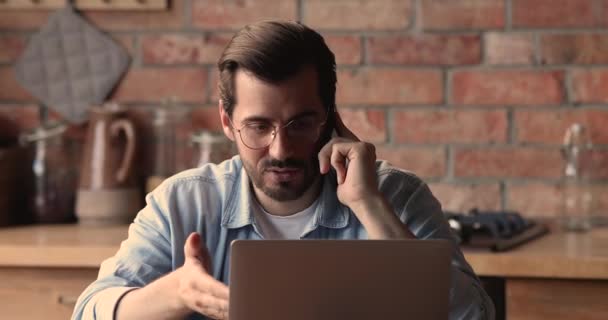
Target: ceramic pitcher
x,y
107,191
109,149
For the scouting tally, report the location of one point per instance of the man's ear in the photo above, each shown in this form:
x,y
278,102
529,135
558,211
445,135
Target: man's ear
x,y
226,125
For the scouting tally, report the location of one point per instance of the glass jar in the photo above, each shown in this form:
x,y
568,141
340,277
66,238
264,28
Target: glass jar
x,y
577,195
52,177
211,147
165,122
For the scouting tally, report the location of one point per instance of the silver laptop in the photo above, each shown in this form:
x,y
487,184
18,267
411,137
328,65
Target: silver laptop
x,y
339,279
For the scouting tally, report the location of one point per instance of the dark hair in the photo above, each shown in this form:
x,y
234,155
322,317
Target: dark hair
x,y
274,51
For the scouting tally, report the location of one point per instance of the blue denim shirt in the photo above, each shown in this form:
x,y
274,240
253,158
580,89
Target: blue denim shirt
x,y
215,200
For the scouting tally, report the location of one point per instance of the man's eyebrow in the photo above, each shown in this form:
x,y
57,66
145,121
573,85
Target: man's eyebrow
x,y
303,114
256,119
266,119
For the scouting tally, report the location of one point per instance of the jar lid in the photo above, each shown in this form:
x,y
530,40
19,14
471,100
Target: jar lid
x,y
43,132
207,137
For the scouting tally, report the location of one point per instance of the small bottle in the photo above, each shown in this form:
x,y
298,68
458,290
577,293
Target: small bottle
x,y
211,147
577,196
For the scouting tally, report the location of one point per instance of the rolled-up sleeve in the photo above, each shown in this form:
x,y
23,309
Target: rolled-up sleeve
x,y
423,215
142,258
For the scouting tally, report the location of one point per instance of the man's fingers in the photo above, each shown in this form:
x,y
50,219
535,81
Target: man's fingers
x,y
326,152
195,249
338,161
192,246
211,286
342,130
212,307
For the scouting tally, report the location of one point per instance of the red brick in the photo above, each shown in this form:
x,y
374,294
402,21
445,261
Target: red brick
x,y
358,14
347,49
369,86
154,84
599,165
464,197
574,48
11,46
448,126
590,85
426,162
462,14
534,199
373,86
509,48
206,118
10,89
171,18
553,13
508,162
549,126
183,49
512,87
604,12
367,125
425,49
219,14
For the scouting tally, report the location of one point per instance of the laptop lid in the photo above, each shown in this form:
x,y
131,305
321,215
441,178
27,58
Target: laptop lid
x,y
339,279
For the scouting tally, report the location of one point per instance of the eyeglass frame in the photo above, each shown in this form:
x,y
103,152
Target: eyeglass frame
x,y
275,129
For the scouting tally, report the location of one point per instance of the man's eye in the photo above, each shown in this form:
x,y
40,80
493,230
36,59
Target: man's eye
x,y
259,127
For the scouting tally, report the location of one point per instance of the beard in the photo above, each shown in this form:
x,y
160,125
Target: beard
x,y
288,190
284,190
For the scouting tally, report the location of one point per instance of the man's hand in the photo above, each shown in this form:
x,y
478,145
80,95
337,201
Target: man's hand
x,y
197,289
354,162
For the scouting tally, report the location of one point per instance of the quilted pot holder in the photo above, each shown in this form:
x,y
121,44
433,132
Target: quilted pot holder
x,y
70,65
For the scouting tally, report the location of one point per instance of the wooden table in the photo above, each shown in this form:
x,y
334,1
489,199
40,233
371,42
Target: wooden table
x,y
559,276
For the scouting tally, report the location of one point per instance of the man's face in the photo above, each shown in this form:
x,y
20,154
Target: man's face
x,y
289,166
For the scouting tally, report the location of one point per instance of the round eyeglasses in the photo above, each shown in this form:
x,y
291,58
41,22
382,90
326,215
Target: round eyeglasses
x,y
259,134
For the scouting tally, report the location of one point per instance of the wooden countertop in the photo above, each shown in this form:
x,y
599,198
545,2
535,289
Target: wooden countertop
x,y
555,255
59,245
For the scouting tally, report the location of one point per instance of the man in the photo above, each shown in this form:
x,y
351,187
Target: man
x,y
291,180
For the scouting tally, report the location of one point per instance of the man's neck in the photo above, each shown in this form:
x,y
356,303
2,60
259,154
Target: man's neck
x,y
286,208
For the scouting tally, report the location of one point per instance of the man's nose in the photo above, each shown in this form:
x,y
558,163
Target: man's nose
x,y
280,148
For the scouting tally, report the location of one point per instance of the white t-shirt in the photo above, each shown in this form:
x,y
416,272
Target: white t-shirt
x,y
274,227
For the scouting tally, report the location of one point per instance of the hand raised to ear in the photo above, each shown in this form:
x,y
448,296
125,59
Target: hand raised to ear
x,y
354,162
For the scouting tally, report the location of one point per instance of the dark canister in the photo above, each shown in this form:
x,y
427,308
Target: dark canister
x,y
52,176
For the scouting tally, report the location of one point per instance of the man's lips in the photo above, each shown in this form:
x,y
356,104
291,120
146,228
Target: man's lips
x,y
283,170
283,174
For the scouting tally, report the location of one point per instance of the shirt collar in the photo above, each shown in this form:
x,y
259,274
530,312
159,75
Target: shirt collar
x,y
238,210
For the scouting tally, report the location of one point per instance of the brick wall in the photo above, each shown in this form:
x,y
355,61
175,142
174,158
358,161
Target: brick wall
x,y
473,95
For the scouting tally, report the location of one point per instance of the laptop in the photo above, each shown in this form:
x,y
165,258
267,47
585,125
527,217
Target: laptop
x,y
339,279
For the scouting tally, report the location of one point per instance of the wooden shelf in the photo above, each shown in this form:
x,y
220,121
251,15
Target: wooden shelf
x,y
136,5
